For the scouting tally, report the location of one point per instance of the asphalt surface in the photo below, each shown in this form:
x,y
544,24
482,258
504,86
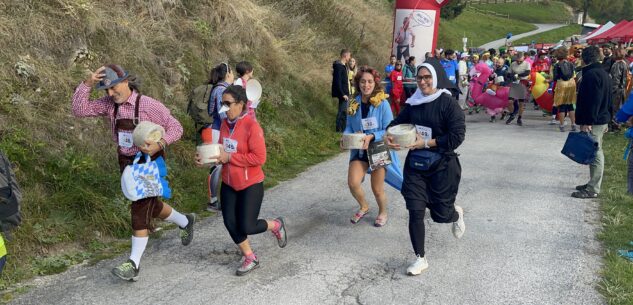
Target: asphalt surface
x,y
527,241
540,29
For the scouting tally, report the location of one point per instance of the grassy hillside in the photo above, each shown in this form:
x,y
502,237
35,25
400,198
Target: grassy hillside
x,y
551,36
541,12
73,207
479,28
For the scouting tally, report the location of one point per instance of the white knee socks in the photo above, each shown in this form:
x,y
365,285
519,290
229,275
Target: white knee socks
x,y
177,218
138,247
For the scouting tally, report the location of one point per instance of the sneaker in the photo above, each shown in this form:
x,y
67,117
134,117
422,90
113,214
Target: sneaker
x,y
214,205
574,127
418,266
553,122
561,128
581,187
519,122
459,227
510,119
186,233
503,115
584,194
248,264
493,119
282,238
126,271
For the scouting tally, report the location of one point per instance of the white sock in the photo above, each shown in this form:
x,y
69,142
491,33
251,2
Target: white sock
x,y
138,247
215,136
177,218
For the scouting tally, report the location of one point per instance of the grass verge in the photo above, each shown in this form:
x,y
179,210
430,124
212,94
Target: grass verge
x,y
478,28
541,12
617,222
552,36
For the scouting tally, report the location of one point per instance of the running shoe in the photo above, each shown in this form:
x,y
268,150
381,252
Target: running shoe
x,y
584,194
186,233
510,119
420,264
561,128
213,205
493,119
126,271
280,234
519,121
248,264
553,122
581,187
459,227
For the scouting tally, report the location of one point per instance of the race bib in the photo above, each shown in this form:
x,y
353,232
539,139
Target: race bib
x,y
230,145
424,131
369,123
125,139
399,77
452,77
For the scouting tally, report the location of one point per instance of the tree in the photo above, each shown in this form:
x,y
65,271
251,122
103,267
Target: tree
x,y
452,9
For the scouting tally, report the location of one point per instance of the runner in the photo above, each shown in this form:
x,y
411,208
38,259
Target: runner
x,y
124,106
369,113
432,170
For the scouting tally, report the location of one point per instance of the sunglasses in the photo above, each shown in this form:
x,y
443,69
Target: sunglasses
x,y
424,78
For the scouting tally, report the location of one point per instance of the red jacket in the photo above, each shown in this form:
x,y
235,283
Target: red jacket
x,y
245,165
397,88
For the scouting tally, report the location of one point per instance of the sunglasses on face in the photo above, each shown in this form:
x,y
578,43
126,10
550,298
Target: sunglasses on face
x,y
424,78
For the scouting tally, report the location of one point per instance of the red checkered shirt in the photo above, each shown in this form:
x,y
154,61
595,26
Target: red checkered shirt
x,y
149,110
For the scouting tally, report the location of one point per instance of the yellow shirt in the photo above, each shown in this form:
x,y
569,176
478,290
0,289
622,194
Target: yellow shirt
x,y
350,77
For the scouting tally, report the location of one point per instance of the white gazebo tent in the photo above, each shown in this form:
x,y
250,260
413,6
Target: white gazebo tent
x,y
607,26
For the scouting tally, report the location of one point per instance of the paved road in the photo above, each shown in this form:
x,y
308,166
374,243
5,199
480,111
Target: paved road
x,y
527,241
541,28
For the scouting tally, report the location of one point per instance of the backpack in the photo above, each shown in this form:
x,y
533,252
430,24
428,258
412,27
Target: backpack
x,y
197,108
10,197
566,70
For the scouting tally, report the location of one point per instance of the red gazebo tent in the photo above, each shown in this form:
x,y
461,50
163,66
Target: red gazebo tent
x,y
606,36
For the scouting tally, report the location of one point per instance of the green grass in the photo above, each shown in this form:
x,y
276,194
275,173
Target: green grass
x,y
552,36
478,28
542,12
617,222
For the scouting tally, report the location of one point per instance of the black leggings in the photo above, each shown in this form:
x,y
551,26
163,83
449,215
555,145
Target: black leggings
x,y
240,210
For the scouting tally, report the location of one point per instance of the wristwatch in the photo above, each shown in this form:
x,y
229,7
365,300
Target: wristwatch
x,y
426,143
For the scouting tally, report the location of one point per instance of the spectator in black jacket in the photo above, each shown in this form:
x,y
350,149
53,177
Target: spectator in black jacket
x,y
340,87
592,114
607,61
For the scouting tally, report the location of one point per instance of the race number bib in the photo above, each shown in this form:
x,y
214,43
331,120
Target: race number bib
x,y
424,131
125,139
399,77
230,145
369,123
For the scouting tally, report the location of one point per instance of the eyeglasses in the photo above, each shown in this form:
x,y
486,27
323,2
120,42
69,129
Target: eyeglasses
x,y
228,103
425,78
398,65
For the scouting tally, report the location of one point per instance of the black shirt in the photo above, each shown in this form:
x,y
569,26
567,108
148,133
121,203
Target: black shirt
x,y
364,108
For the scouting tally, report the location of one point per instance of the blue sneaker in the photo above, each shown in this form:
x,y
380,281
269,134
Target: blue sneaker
x,y
628,254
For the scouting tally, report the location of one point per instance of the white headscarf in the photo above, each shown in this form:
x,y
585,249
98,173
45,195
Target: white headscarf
x,y
418,98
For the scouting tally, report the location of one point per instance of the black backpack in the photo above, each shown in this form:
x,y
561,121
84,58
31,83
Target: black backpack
x,y
10,197
566,70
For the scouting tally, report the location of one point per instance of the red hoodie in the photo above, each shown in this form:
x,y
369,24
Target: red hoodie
x,y
245,165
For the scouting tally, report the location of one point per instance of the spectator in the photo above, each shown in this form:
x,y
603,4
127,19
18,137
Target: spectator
x,y
340,87
592,114
618,73
351,72
607,61
449,64
397,89
409,77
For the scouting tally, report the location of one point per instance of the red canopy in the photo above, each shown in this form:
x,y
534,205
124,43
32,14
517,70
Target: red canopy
x,y
609,34
625,34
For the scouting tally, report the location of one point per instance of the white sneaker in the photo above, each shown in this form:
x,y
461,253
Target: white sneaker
x,y
553,122
418,266
459,227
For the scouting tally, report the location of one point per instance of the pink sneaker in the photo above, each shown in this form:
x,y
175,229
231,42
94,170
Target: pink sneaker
x,y
248,264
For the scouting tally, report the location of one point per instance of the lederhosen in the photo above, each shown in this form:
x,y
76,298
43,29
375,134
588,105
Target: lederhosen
x,y
143,210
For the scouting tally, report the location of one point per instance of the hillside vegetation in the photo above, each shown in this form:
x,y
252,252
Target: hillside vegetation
x,y
478,28
533,12
552,36
73,205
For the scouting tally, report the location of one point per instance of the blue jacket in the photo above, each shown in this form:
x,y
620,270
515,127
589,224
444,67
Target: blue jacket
x,y
384,116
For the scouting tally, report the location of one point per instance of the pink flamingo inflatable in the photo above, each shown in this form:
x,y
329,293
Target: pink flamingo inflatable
x,y
494,103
